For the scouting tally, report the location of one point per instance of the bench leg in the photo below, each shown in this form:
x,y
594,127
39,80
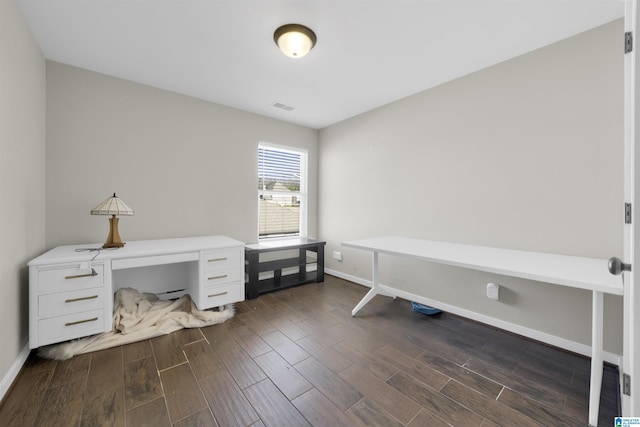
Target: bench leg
x,y
252,286
320,264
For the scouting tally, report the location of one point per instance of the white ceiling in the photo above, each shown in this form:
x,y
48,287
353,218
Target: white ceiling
x,y
369,52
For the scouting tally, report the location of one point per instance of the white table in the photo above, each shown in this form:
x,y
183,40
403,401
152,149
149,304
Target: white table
x,y
71,287
576,272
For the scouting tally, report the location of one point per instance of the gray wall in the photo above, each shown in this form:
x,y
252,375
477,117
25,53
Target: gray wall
x,y
22,175
187,167
527,154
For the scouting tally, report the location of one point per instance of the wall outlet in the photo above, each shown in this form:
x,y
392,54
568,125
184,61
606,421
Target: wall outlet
x,y
337,255
493,291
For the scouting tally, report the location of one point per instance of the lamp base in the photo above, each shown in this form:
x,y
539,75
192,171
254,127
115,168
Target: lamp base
x,y
113,240
113,245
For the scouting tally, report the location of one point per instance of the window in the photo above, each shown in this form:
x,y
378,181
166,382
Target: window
x,y
282,193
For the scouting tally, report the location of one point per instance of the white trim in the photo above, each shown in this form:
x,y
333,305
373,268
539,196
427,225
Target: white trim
x,y
631,332
13,372
534,334
348,277
281,147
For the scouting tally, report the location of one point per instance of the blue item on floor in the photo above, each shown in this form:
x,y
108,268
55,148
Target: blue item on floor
x,y
424,309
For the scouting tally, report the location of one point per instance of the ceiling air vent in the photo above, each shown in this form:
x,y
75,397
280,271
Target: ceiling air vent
x,y
283,106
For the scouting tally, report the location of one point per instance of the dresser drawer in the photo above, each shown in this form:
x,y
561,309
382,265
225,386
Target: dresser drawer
x,y
216,296
70,277
221,276
62,328
222,258
70,302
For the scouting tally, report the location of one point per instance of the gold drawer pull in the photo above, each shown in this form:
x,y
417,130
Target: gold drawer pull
x,y
80,321
77,276
218,277
81,299
218,259
218,294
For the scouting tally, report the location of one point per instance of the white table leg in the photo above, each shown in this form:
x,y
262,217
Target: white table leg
x,y
374,287
597,366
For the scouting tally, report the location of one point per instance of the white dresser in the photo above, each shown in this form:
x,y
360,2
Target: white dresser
x,y
71,287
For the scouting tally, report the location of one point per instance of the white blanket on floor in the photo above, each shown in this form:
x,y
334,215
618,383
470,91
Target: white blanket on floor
x,y
139,316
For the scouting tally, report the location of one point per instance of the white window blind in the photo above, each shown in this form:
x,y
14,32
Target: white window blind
x,y
280,185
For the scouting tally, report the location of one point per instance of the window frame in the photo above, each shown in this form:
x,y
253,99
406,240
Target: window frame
x,y
303,193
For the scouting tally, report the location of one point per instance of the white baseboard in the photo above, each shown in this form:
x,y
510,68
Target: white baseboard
x,y
348,277
534,334
13,372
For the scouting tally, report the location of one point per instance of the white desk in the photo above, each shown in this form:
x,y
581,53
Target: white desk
x,y
577,272
71,288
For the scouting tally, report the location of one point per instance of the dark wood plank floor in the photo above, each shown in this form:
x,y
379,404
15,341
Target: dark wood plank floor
x,y
296,357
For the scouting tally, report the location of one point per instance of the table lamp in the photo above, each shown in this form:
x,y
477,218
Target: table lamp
x,y
112,206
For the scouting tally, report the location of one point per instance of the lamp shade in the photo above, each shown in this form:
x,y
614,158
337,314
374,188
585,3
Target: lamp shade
x,y
112,206
294,40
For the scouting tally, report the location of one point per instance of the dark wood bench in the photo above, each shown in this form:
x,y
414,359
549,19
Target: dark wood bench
x,y
254,286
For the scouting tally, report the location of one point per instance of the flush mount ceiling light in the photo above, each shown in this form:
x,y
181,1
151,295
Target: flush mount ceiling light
x,y
294,40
